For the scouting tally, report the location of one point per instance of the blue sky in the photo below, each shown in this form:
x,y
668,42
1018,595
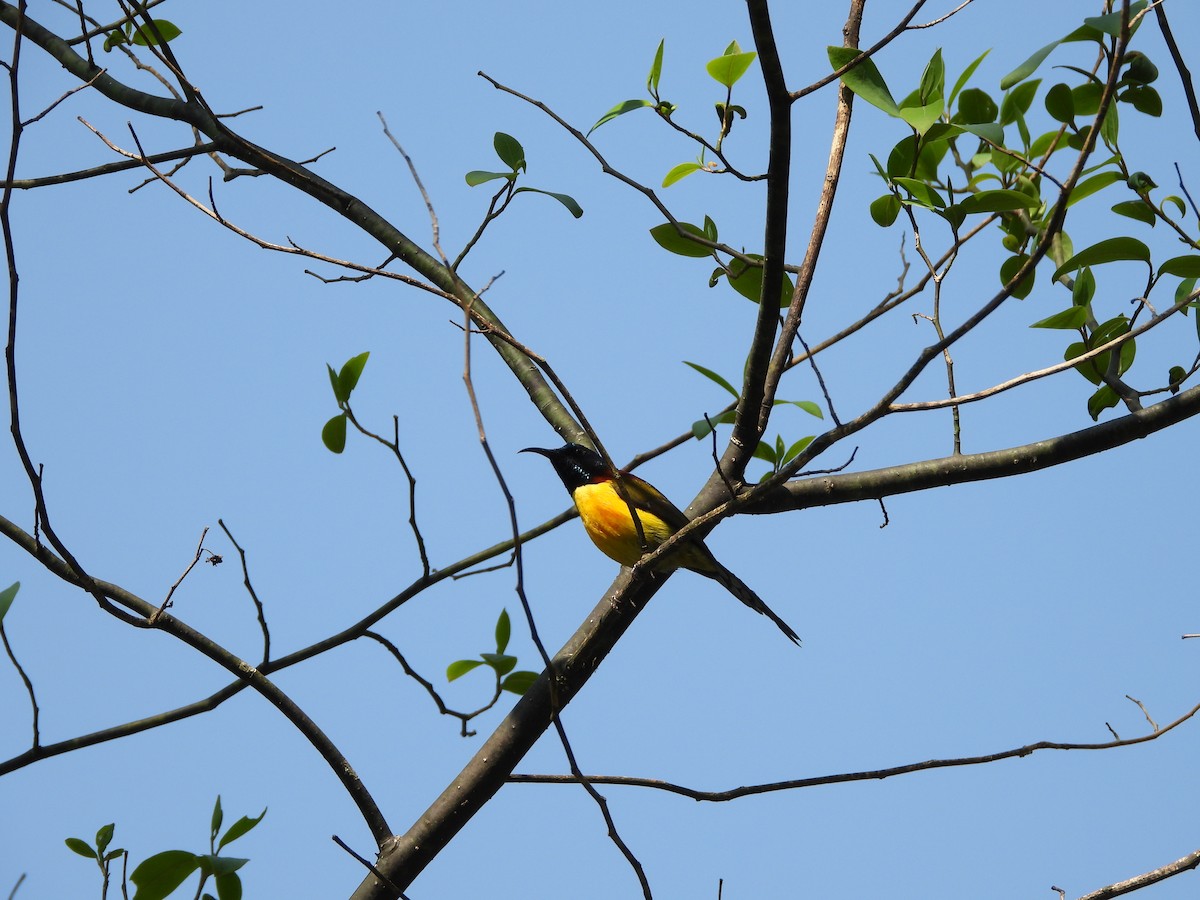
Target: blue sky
x,y
172,374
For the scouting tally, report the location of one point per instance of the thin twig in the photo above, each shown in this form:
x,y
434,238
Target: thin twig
x,y
433,219
258,606
1106,347
1142,707
167,602
370,865
1185,76
109,168
37,736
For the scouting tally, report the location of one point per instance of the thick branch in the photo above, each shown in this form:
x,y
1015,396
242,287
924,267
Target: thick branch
x,y
749,424
404,857
961,469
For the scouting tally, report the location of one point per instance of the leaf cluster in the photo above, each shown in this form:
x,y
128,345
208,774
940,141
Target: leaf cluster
x,y
160,875
500,662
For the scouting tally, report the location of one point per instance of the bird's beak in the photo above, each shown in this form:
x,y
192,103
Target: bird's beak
x,y
539,450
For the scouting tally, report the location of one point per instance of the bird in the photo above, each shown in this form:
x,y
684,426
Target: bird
x,y
591,482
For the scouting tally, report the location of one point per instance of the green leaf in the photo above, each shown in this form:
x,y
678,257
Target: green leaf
x,y
1141,70
1175,378
1110,126
747,281
1086,98
998,201
503,631
885,209
1084,288
1183,266
83,848
765,452
976,107
1089,186
518,682
922,118
621,108
966,75
211,864
1135,209
1008,270
1104,398
1178,201
239,828
501,662
1069,319
988,131
933,79
333,435
145,36
114,38
729,67
1111,250
104,836
679,172
710,229
510,151
921,193
701,428
333,382
712,376
1042,144
807,405
1183,291
1113,328
864,79
794,450
217,817
901,159
461,667
229,887
1144,99
1027,68
565,199
476,177
655,72
347,379
1060,103
159,875
6,598
953,214
1111,24
667,237
1017,101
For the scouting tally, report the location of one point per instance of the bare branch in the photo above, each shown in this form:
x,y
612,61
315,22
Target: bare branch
x,y
433,219
258,607
12,656
845,777
157,614
1184,864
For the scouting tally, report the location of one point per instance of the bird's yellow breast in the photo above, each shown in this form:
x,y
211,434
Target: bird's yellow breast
x,y
608,523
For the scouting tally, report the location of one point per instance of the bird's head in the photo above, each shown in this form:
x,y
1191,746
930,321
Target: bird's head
x,y
575,464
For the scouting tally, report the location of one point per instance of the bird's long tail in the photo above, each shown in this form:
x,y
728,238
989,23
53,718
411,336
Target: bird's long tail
x,y
742,591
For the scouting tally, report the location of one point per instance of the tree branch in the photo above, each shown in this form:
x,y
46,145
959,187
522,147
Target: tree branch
x,y
846,777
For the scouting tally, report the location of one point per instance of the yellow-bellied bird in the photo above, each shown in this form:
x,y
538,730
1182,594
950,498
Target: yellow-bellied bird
x,y
606,517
